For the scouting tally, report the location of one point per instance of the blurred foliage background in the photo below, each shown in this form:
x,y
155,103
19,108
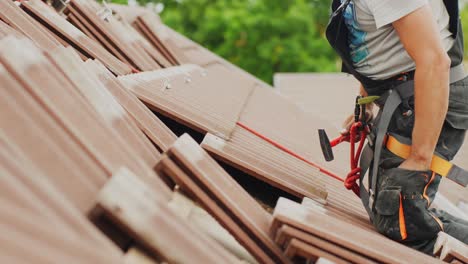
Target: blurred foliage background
x,y
261,36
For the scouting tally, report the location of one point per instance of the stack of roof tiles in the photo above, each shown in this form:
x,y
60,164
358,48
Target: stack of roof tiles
x,y
91,174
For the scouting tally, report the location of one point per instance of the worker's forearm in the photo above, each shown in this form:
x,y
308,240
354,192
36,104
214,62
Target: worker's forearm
x,y
431,103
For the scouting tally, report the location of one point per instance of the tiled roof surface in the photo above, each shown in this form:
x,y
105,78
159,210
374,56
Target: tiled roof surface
x,y
335,89
91,174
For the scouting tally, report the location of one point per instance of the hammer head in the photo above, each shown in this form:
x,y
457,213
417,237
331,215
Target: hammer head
x,y
325,145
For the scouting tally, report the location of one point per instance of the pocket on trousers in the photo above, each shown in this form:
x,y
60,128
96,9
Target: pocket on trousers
x,y
389,218
401,209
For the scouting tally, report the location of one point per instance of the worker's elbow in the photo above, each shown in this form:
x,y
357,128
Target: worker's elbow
x,y
443,61
436,62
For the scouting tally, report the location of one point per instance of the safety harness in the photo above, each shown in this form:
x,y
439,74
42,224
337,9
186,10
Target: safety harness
x,y
390,96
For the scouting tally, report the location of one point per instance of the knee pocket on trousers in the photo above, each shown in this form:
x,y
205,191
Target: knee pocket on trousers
x,y
387,220
412,221
404,217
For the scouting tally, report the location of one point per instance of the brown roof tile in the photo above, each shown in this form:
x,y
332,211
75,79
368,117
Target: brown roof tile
x,y
154,128
140,211
208,100
72,35
366,242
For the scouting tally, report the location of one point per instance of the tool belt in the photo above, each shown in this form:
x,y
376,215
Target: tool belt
x,y
399,146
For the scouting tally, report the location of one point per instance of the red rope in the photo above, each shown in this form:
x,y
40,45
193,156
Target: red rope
x,y
290,152
355,174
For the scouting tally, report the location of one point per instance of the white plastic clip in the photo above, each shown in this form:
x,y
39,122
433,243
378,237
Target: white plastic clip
x,y
186,73
167,81
167,84
188,77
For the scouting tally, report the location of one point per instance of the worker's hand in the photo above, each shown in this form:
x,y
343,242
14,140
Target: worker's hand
x,y
349,121
414,164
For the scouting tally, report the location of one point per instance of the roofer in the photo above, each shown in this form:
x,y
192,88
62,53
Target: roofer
x,y
409,53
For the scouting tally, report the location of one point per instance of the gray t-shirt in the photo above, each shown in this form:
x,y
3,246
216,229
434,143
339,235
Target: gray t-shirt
x,y
375,47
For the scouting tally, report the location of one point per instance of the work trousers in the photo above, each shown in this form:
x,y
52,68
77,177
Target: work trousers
x,y
402,206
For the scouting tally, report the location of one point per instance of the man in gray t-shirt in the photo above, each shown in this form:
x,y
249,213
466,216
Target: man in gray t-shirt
x,y
376,49
406,45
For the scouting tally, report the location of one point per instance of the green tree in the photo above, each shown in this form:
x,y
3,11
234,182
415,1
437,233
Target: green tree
x,y
464,16
261,36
